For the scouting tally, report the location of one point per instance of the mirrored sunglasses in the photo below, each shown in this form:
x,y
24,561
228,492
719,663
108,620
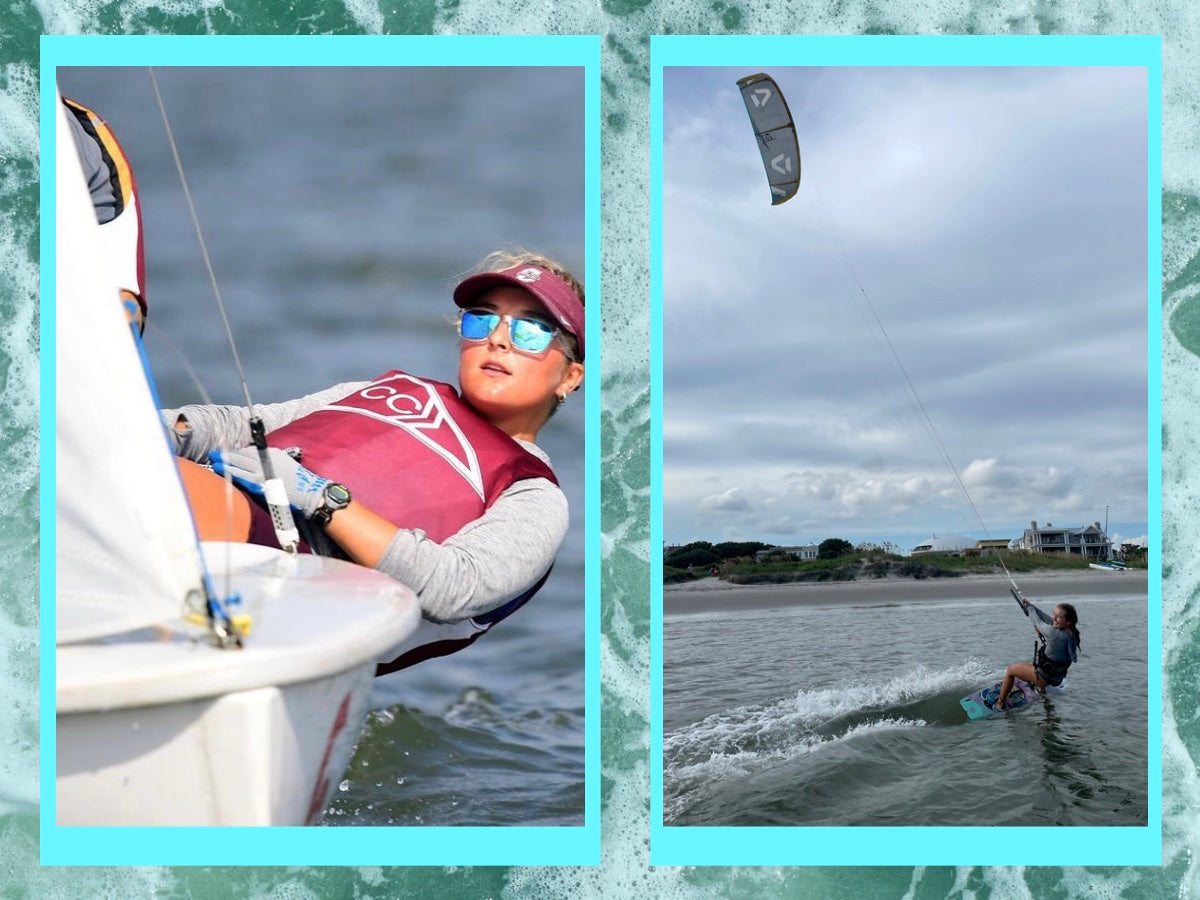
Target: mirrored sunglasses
x,y
528,334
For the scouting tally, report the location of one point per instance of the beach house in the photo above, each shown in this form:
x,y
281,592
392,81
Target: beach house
x,y
1089,541
802,553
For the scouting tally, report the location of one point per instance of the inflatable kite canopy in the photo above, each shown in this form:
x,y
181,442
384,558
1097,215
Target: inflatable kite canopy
x,y
775,133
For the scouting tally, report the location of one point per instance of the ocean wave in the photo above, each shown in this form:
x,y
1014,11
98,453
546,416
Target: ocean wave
x,y
747,739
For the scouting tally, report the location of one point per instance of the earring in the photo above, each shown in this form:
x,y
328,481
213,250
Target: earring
x,y
561,398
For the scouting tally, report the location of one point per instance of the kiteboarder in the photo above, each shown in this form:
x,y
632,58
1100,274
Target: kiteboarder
x,y
114,196
1057,647
447,493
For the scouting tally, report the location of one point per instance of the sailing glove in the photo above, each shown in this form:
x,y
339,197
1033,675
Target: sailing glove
x,y
305,488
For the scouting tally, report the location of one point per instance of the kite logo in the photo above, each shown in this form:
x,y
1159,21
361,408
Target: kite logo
x,y
761,97
782,164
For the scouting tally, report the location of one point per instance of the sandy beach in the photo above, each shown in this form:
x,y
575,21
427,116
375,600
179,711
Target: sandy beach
x,y
712,594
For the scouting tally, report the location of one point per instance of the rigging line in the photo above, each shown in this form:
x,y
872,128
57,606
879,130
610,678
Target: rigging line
x,y
913,390
822,234
891,405
902,372
891,358
205,397
273,490
924,411
917,397
220,622
825,241
212,277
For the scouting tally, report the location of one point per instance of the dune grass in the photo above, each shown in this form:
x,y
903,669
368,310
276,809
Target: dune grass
x,y
857,565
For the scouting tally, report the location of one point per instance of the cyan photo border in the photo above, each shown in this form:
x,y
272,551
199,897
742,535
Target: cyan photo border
x,y
901,845
323,846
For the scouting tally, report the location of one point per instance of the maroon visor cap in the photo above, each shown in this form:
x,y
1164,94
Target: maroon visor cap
x,y
553,292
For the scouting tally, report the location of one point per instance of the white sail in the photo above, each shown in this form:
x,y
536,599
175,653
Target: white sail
x,y
179,732
126,548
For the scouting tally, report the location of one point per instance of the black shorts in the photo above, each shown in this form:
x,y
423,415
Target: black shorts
x,y
1053,679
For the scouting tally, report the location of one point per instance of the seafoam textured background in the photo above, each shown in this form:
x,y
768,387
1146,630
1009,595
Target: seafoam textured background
x,y
626,27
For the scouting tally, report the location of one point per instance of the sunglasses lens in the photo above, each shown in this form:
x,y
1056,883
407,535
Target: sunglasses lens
x,y
476,325
531,335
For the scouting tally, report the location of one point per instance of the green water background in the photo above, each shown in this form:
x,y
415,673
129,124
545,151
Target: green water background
x,y
626,27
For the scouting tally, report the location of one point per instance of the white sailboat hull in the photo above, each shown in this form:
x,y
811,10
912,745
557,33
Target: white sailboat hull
x,y
156,728
268,756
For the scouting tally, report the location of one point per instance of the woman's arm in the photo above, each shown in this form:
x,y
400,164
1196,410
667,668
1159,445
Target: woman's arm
x,y
207,427
1039,615
487,563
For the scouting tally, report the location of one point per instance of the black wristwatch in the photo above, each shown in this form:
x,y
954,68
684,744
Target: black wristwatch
x,y
335,496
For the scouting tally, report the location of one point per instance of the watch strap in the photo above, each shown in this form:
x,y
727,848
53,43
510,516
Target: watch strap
x,y
335,496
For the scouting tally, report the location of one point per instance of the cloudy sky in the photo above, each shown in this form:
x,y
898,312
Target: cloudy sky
x,y
979,233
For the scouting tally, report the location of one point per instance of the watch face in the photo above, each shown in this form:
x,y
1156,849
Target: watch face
x,y
337,495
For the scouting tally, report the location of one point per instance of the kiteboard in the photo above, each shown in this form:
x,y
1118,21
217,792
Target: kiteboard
x,y
979,704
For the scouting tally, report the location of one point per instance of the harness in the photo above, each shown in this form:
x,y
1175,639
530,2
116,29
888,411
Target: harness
x,y
1052,670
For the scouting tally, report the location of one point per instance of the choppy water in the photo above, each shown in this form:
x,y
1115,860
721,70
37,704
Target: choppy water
x,y
849,715
625,26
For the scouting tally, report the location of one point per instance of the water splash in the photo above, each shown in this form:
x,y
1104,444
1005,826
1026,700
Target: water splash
x,y
749,739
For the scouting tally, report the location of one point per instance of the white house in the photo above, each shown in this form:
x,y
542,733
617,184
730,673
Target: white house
x,y
801,553
1089,541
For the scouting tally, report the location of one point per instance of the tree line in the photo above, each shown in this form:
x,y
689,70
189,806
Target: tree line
x,y
703,553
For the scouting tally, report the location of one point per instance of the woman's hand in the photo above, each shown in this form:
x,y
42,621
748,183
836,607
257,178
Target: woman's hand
x,y
359,531
305,488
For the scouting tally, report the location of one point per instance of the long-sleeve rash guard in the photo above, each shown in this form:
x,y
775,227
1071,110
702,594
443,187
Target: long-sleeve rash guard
x,y
1061,645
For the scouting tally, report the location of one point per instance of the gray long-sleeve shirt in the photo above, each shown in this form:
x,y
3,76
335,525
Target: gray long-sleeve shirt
x,y
484,565
1061,645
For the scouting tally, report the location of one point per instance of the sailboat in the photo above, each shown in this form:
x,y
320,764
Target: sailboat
x,y
156,722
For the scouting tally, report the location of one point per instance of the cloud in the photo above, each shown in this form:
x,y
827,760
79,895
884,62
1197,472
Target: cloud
x,y
732,500
962,273
779,526
1119,540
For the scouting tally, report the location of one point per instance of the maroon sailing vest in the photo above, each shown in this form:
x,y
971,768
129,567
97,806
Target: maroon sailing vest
x,y
412,451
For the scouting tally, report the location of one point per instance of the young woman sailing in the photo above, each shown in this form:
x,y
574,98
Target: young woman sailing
x,y
445,491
